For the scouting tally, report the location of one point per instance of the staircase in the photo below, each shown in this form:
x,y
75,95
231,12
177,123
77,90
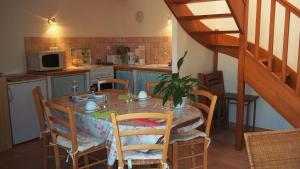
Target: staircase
x,y
270,76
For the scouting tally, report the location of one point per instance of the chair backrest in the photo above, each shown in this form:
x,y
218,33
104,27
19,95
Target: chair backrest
x,y
150,88
69,127
123,82
214,81
168,117
38,98
208,109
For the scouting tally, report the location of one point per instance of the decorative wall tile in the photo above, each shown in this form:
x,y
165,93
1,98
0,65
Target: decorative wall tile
x,y
157,49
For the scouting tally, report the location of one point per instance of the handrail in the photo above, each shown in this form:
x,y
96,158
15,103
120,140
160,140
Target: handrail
x,y
290,7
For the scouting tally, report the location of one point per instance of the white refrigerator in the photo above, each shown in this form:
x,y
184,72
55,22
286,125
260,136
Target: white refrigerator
x,y
24,120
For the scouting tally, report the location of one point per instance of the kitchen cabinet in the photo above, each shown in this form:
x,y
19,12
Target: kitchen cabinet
x,y
137,78
125,74
5,126
62,85
142,77
24,120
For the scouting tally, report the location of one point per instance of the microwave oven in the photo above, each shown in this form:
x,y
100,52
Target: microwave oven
x,y
46,60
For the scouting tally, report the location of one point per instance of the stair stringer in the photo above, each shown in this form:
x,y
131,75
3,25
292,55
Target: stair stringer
x,y
278,95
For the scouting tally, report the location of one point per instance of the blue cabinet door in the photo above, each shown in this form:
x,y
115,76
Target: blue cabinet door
x,y
125,74
145,76
62,85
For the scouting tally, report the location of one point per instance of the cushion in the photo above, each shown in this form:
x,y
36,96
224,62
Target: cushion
x,y
84,141
186,135
138,155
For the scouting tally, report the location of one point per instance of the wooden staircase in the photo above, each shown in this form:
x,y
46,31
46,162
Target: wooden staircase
x,y
270,76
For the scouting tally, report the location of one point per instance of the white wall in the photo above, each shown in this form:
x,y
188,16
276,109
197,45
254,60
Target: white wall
x,y
199,58
75,18
266,116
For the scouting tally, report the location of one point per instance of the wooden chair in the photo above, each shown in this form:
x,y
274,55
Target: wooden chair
x,y
150,87
64,135
122,82
160,157
44,130
193,143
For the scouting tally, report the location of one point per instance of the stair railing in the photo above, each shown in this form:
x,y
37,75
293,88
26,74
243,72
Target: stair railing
x,y
289,8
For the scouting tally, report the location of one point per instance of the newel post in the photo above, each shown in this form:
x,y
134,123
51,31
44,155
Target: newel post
x,y
241,83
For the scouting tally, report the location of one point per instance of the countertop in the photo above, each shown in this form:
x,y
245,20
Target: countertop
x,y
151,67
23,77
60,72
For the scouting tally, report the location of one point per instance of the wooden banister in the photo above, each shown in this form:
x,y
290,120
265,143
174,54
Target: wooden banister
x,y
257,28
271,34
285,44
290,7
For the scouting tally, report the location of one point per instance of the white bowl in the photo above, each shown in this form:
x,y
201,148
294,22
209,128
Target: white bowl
x,y
142,95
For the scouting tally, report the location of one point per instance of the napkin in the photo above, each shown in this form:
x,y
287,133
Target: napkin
x,y
122,97
147,122
103,115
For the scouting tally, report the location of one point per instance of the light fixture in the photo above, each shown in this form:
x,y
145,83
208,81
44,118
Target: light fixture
x,y
169,19
52,21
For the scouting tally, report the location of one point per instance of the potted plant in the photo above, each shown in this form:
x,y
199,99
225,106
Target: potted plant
x,y
176,87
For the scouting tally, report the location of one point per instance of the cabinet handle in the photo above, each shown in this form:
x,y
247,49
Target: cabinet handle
x,y
10,95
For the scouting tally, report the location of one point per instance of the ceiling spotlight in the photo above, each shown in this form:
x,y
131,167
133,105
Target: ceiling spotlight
x,y
52,21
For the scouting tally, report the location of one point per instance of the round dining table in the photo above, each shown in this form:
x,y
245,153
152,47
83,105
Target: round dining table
x,y
99,123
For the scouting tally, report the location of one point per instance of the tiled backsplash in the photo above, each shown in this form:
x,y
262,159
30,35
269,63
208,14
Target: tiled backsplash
x,y
157,49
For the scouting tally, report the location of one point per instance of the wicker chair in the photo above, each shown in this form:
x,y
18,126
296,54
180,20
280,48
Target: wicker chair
x,y
131,154
274,149
190,144
64,135
122,82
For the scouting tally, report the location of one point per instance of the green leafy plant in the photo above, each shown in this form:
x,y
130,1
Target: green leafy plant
x,y
172,85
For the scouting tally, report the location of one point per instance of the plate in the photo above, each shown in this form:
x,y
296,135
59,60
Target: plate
x,y
91,111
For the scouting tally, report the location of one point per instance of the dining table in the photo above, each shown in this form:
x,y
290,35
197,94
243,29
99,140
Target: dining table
x,y
98,123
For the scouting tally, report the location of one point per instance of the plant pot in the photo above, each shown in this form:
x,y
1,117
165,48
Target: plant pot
x,y
183,104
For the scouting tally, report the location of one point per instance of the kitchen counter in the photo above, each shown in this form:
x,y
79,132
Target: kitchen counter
x,y
151,67
15,78
60,72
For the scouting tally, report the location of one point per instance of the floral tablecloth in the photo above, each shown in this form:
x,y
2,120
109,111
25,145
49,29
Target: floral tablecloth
x,y
102,127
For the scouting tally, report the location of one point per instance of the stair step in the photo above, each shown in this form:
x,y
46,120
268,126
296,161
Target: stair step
x,y
279,74
224,45
198,17
189,1
216,32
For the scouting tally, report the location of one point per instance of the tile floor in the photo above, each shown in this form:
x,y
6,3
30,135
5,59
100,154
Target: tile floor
x,y
222,154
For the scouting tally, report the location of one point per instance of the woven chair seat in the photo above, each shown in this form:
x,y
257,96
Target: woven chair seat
x,y
274,149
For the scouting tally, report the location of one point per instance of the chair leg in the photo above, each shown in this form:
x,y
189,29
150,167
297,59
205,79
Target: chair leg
x,y
175,156
57,159
44,143
86,161
205,155
75,162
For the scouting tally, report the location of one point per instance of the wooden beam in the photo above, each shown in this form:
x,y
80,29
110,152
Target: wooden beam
x,y
271,34
241,83
285,44
212,16
215,66
298,72
257,28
